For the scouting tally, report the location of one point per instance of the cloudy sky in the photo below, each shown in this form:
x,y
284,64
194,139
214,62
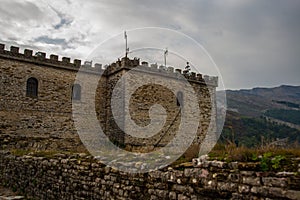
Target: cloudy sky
x,y
253,42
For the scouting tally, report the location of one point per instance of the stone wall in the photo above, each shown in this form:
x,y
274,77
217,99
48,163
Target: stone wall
x,y
78,176
43,122
47,116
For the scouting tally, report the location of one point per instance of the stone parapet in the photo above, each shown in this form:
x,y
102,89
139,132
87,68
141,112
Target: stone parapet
x,y
79,176
128,64
40,58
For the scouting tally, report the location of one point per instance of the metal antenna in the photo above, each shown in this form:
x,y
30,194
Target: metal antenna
x,y
165,56
126,45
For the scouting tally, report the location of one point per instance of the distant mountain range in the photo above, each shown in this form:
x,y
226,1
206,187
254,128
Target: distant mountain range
x,y
262,113
255,102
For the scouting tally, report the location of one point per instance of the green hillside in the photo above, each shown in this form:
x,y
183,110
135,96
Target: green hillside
x,y
245,122
291,116
250,132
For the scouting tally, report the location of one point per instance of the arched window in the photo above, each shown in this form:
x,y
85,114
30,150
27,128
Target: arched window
x,y
32,87
179,98
76,92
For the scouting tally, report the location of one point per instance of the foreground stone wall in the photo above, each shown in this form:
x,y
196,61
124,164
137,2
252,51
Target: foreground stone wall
x,y
80,177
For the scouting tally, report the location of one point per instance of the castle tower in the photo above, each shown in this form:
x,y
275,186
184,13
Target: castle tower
x,y
141,100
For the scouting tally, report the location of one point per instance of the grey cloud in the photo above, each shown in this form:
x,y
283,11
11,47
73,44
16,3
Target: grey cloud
x,y
254,42
71,43
48,40
64,20
19,11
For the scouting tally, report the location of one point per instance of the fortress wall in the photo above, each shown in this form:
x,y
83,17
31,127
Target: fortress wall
x,y
46,121
140,107
54,90
112,129
48,115
42,122
148,95
80,177
157,94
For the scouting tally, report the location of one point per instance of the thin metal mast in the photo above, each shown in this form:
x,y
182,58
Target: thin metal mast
x,y
165,56
126,45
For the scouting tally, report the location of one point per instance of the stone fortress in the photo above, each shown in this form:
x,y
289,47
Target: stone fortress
x,y
37,93
36,114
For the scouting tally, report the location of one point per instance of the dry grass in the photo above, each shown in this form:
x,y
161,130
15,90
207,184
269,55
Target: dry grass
x,y
230,152
42,153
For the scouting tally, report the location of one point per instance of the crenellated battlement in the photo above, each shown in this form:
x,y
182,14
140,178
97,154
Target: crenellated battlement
x,y
125,63
41,59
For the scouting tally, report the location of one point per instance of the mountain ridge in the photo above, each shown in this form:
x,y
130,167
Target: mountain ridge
x,y
269,113
254,102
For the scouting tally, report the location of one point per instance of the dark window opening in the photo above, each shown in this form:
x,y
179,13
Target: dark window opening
x,y
179,99
76,92
32,87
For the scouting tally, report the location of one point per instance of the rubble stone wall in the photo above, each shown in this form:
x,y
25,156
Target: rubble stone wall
x,y
80,177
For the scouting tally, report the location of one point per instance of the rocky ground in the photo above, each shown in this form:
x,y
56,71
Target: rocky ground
x,y
8,194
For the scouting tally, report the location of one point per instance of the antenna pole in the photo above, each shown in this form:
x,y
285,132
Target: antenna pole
x,y
126,47
165,56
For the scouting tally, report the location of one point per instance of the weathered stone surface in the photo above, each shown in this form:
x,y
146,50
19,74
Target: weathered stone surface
x,y
252,181
292,194
244,189
263,191
274,182
64,177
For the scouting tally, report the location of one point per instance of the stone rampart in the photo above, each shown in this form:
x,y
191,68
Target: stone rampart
x,y
81,177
